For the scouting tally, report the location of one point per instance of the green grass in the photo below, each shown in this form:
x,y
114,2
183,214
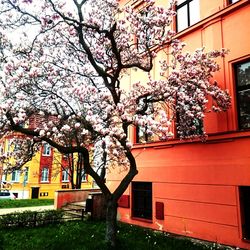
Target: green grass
x,y
25,203
89,235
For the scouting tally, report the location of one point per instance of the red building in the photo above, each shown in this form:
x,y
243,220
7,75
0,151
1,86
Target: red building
x,y
193,188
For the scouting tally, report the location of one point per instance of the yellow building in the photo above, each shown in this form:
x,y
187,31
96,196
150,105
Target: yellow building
x,y
39,178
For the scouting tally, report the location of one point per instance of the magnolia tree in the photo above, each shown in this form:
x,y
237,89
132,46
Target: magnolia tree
x,y
64,61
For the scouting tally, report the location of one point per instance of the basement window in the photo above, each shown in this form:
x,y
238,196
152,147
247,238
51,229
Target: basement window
x,y
244,192
142,200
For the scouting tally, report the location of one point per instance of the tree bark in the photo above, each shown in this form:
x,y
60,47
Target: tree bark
x,y
111,223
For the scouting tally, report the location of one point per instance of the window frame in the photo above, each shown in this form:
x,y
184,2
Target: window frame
x,y
17,176
238,89
179,6
65,171
45,180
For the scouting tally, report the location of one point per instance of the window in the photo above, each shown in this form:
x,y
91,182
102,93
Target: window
x,y
15,176
143,135
46,149
45,175
65,175
1,149
244,192
26,174
195,127
242,77
187,13
17,147
84,176
4,177
142,200
9,145
145,36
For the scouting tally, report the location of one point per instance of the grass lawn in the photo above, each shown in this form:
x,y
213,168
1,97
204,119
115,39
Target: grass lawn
x,y
25,203
89,235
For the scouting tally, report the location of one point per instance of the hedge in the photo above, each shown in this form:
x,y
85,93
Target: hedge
x,y
31,218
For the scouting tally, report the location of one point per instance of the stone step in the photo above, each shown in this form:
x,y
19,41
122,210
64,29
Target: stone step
x,y
75,206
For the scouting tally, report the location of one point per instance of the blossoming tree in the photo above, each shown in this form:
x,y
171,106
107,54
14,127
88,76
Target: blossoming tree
x,y
64,61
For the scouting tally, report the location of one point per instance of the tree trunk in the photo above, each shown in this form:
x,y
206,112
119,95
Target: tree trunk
x,y
111,224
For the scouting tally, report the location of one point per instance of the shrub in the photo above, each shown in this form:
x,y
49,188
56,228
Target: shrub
x,y
31,218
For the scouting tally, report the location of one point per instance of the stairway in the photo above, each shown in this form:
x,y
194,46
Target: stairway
x,y
74,211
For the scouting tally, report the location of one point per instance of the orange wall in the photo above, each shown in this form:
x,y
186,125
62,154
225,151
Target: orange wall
x,y
199,182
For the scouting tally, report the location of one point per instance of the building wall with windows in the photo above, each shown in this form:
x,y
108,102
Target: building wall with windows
x,y
39,178
193,188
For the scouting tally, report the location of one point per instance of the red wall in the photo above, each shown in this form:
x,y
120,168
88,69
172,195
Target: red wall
x,y
63,197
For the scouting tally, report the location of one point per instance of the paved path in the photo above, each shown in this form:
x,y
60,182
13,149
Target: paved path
x,y
21,209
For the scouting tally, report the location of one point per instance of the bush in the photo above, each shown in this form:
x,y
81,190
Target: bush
x,y
31,218
49,217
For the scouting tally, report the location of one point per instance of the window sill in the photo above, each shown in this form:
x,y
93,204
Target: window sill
x,y
216,137
246,240
44,181
142,219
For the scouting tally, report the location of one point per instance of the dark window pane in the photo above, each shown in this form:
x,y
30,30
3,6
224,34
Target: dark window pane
x,y
142,200
243,74
245,207
243,93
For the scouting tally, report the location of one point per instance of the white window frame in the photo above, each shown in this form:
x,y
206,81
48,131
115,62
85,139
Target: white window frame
x,y
65,175
45,174
16,175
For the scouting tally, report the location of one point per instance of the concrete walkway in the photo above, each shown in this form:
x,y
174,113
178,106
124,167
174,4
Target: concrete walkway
x,y
21,209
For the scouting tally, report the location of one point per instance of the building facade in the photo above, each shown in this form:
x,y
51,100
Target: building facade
x,y
193,188
40,177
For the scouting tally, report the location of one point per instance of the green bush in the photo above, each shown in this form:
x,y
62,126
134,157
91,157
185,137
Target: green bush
x,y
30,218
49,217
